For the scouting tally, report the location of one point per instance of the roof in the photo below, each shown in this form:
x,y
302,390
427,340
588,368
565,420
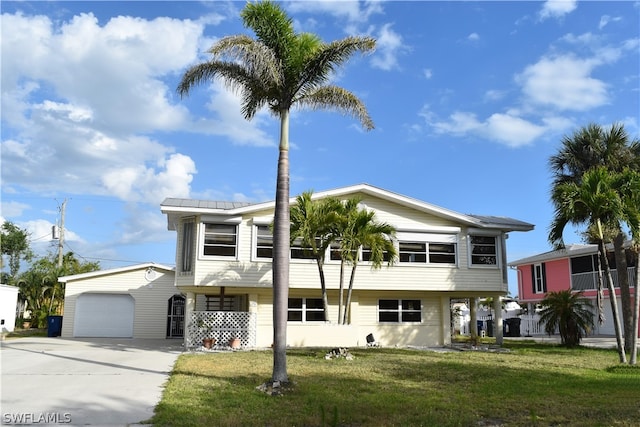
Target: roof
x,y
146,265
567,252
175,208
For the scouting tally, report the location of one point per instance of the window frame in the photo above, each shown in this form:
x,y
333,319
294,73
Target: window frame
x,y
495,255
257,246
204,245
187,258
428,241
400,310
539,278
304,310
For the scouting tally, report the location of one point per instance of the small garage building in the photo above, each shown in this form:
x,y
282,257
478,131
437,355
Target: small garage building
x,y
138,301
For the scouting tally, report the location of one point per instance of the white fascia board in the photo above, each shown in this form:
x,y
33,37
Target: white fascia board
x,y
223,219
98,273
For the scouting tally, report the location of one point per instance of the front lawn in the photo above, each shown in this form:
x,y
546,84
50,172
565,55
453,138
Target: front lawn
x,y
532,385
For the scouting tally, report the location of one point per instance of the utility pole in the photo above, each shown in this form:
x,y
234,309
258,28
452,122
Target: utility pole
x,y
61,239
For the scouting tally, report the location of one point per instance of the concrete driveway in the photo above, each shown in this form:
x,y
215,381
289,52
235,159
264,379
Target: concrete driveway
x,y
105,382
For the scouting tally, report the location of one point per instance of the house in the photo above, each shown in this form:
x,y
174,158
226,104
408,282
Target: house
x,y
8,308
138,301
223,266
576,268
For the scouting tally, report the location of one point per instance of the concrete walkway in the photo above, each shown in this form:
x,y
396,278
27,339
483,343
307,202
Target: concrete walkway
x,y
98,382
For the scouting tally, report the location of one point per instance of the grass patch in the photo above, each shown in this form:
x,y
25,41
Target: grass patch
x,y
22,333
532,385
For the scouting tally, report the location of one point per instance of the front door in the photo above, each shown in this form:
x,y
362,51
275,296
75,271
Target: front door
x,y
175,317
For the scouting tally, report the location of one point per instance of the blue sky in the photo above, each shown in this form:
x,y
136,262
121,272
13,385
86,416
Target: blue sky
x,y
469,100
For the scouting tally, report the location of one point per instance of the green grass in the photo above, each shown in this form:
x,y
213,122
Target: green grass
x,y
532,385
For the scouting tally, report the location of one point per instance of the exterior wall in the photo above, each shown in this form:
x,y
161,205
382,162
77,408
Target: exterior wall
x,y
151,299
8,304
558,277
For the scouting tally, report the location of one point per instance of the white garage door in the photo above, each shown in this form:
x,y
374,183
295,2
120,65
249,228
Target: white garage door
x,y
104,315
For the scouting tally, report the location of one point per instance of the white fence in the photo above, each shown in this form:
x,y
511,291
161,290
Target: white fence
x,y
221,326
528,323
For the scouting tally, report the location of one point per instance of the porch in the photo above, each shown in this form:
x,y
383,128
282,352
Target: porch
x,y
589,281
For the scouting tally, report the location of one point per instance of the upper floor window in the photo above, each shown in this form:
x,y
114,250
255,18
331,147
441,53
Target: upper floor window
x,y
264,242
539,279
399,310
187,246
484,250
298,251
305,310
426,252
220,239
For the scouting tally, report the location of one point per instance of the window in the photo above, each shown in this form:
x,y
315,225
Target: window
x,y
305,310
539,279
398,310
264,242
220,240
300,252
227,303
366,254
187,246
425,252
484,250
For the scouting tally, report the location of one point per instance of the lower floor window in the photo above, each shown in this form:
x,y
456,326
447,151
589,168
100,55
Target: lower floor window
x,y
305,310
399,310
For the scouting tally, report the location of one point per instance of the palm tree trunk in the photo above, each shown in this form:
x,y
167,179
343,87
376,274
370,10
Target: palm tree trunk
x,y
625,294
341,292
323,287
281,248
614,302
347,307
636,311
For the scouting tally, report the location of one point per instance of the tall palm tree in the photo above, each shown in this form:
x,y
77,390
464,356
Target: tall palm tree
x,y
568,312
629,184
360,230
595,201
613,148
313,223
280,69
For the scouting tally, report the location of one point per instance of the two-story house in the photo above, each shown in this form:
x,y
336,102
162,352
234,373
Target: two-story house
x,y
575,267
223,266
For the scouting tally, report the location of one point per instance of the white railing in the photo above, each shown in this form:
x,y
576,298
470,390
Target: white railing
x,y
221,326
589,281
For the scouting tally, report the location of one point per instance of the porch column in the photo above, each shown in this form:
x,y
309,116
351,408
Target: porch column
x,y
189,308
497,322
473,312
445,308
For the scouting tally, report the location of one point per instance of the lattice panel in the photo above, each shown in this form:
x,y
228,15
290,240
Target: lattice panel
x,y
222,326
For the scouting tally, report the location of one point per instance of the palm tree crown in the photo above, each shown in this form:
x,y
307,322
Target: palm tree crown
x,y
569,313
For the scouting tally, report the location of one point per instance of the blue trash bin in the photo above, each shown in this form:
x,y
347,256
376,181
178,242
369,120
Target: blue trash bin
x,y
54,324
480,327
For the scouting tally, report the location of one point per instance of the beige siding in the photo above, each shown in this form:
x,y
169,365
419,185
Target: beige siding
x,y
151,299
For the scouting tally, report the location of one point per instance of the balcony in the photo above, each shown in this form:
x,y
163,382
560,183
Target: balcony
x,y
589,281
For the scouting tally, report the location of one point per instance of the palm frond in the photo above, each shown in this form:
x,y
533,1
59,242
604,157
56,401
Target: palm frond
x,y
337,99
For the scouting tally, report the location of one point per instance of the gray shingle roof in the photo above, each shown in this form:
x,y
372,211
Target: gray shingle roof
x,y
203,204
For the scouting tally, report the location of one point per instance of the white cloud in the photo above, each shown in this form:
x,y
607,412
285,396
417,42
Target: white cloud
x,y
557,8
352,11
563,82
473,37
606,19
13,209
505,128
389,46
428,73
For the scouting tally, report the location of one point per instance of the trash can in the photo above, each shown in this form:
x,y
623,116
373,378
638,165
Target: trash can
x,y
54,326
480,327
513,327
489,327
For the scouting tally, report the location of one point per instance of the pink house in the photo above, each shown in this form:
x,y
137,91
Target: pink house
x,y
575,267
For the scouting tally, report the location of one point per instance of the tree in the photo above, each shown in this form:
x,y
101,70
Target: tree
x,y
280,69
589,147
568,312
595,201
629,182
313,222
40,289
15,244
359,230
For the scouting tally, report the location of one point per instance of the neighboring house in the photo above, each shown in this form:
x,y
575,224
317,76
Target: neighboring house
x,y
223,265
8,307
138,301
576,268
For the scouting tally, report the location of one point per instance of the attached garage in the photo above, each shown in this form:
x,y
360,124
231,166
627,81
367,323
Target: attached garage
x,y
127,302
104,315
